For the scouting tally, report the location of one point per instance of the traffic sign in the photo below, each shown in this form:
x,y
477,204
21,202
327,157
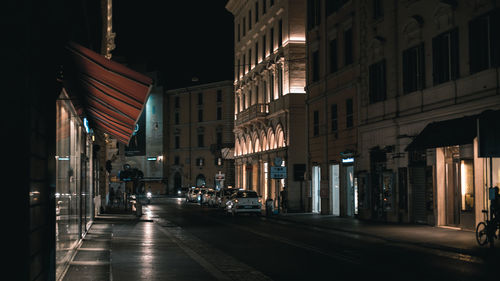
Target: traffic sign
x,y
278,172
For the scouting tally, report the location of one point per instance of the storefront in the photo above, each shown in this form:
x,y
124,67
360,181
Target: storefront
x,y
98,94
74,181
450,183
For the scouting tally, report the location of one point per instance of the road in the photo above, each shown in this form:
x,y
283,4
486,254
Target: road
x,y
249,247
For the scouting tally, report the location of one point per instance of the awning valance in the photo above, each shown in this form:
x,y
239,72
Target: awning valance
x,y
457,131
111,95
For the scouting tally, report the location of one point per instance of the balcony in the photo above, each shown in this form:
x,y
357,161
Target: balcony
x,y
256,111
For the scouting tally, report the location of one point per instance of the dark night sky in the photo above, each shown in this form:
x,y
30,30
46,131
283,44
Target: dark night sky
x,y
180,38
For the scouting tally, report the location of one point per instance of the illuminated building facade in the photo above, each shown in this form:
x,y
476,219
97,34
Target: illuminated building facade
x,y
269,112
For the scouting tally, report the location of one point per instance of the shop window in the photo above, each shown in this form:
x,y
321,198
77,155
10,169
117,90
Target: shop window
x,y
467,184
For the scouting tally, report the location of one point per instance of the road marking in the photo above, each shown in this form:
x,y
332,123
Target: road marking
x,y
227,267
300,245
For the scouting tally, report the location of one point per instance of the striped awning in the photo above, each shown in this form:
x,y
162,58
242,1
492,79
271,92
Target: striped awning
x,y
111,95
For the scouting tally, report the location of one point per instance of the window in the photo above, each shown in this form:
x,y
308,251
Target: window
x,y
313,13
333,56
264,8
271,42
176,102
200,162
200,98
264,92
334,118
271,85
315,66
238,70
264,47
219,95
378,11
176,160
219,113
272,3
244,26
200,115
316,123
484,42
177,142
239,32
256,12
377,83
280,80
349,113
249,59
280,33
348,59
256,53
249,19
445,57
244,64
219,138
176,117
413,69
201,140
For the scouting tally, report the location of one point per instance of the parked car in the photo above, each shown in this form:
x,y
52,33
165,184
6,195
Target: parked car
x,y
224,195
182,191
244,201
205,195
213,199
192,195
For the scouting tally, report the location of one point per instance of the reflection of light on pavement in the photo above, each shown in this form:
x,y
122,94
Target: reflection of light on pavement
x,y
179,201
148,213
147,255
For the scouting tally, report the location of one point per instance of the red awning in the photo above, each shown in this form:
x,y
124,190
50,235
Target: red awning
x,y
112,96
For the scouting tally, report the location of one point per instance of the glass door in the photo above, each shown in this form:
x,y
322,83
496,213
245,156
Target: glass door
x,y
316,179
334,190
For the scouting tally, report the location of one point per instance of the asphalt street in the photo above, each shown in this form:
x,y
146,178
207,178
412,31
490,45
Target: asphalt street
x,y
251,247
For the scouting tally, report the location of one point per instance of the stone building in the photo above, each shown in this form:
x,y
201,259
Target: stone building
x,y
332,105
428,70
269,113
199,136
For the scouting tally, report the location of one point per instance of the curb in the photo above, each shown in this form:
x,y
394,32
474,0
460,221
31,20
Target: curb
x,y
476,253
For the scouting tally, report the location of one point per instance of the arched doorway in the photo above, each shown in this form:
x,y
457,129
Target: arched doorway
x,y
177,181
200,180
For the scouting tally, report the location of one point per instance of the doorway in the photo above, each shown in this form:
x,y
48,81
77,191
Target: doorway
x,y
458,187
351,193
334,190
315,192
177,181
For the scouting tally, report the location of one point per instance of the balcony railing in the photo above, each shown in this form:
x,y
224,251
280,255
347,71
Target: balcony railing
x,y
255,111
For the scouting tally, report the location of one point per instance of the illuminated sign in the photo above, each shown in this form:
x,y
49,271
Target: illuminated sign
x,y
348,160
151,158
86,125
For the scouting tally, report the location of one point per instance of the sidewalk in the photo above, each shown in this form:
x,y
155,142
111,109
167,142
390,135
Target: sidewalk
x,y
439,238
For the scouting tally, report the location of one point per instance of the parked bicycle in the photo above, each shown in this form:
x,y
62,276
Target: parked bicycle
x,y
489,230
